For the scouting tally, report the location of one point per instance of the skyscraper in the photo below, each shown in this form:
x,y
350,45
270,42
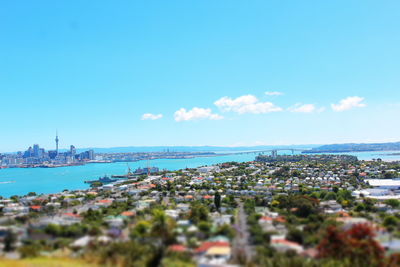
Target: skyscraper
x,y
36,151
72,151
57,143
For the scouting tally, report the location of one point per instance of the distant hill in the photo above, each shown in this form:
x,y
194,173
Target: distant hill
x,y
352,147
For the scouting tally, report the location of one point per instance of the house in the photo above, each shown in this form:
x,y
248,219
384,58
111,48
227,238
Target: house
x,y
205,246
348,222
54,205
266,224
183,207
36,208
142,204
283,245
104,202
391,246
70,218
330,206
216,255
174,214
15,209
81,242
183,223
128,213
219,219
115,221
208,169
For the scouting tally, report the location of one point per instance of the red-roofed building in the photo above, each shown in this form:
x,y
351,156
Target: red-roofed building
x,y
265,219
144,187
285,245
70,214
36,208
104,202
207,245
177,248
280,219
128,213
343,214
39,199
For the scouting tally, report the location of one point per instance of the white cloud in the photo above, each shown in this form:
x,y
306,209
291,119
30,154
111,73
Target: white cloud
x,y
273,93
195,114
246,104
349,103
305,108
149,116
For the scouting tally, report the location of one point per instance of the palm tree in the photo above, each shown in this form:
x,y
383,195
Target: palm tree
x,y
162,227
162,232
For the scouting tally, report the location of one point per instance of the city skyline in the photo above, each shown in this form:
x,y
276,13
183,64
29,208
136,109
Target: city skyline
x,y
178,74
36,156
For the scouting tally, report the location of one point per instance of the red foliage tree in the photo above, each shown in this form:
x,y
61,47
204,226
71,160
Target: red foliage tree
x,y
356,244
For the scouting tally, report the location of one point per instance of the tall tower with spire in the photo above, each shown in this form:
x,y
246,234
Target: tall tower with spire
x,y
57,142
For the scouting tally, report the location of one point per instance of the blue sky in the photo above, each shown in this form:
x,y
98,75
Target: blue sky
x,y
92,69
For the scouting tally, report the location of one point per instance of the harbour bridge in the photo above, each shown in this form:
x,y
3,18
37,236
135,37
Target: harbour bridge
x,y
274,152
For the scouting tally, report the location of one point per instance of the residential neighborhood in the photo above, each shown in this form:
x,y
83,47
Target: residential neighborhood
x,y
280,211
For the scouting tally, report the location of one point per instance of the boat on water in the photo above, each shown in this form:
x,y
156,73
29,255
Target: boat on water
x,y
130,174
103,180
147,170
137,172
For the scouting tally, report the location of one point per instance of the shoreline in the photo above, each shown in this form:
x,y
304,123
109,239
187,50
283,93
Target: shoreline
x,y
41,166
51,180
212,154
191,157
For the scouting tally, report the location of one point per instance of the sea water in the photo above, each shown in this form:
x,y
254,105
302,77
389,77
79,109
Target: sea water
x,y
20,181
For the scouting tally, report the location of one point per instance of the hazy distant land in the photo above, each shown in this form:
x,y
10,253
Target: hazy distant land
x,y
352,147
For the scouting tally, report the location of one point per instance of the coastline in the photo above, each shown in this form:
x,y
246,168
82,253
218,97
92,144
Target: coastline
x,y
52,180
45,166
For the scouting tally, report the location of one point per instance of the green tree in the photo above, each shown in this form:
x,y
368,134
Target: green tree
x,y
304,206
330,196
394,203
217,201
226,230
198,212
162,227
9,241
205,228
295,235
390,222
30,251
141,230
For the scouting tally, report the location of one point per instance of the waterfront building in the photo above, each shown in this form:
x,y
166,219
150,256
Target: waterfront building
x,y
52,154
36,151
28,153
72,150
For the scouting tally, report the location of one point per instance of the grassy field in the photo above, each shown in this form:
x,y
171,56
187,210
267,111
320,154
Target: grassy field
x,y
45,262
